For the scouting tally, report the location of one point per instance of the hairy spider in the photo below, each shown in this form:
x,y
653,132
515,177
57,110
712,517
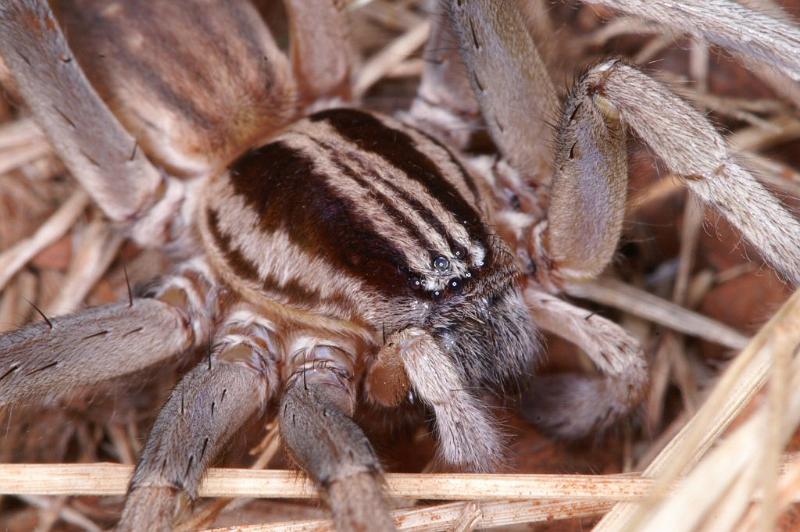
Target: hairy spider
x,y
341,256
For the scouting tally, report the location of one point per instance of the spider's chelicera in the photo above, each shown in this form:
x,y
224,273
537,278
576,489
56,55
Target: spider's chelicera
x,y
343,256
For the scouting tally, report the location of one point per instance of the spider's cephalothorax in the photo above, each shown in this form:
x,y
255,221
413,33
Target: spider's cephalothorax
x,y
353,221
347,255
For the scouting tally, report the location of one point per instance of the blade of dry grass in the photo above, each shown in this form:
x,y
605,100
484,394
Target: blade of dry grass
x,y
788,486
14,258
14,307
66,513
690,232
391,56
728,510
13,158
99,245
658,191
618,27
782,129
744,377
446,516
782,418
752,454
19,132
112,479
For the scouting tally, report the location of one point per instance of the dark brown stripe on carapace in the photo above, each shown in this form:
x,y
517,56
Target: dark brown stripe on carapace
x,y
295,293
465,176
287,193
424,212
398,149
309,299
398,217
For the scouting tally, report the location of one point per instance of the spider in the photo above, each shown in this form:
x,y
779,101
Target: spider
x,y
331,256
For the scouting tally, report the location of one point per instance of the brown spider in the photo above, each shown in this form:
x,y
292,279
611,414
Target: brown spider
x,y
343,256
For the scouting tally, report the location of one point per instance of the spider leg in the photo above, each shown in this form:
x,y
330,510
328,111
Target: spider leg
x,y
316,424
89,139
208,405
49,359
445,102
588,191
693,150
747,32
516,102
571,405
589,180
319,48
587,198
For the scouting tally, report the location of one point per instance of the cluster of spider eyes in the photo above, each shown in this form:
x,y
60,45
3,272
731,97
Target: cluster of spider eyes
x,y
442,265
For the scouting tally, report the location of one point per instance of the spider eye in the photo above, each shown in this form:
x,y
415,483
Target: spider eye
x,y
441,263
437,294
455,285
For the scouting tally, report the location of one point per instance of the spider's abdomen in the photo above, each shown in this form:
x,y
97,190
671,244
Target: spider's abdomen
x,y
165,69
349,215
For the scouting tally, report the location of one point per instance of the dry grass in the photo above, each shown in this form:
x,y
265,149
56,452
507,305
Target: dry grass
x,y
712,450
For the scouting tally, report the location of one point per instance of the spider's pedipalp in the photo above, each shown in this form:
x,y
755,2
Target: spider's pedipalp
x,y
465,431
88,138
573,405
316,424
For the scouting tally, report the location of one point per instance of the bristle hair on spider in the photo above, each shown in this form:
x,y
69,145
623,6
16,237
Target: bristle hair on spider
x,y
332,259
